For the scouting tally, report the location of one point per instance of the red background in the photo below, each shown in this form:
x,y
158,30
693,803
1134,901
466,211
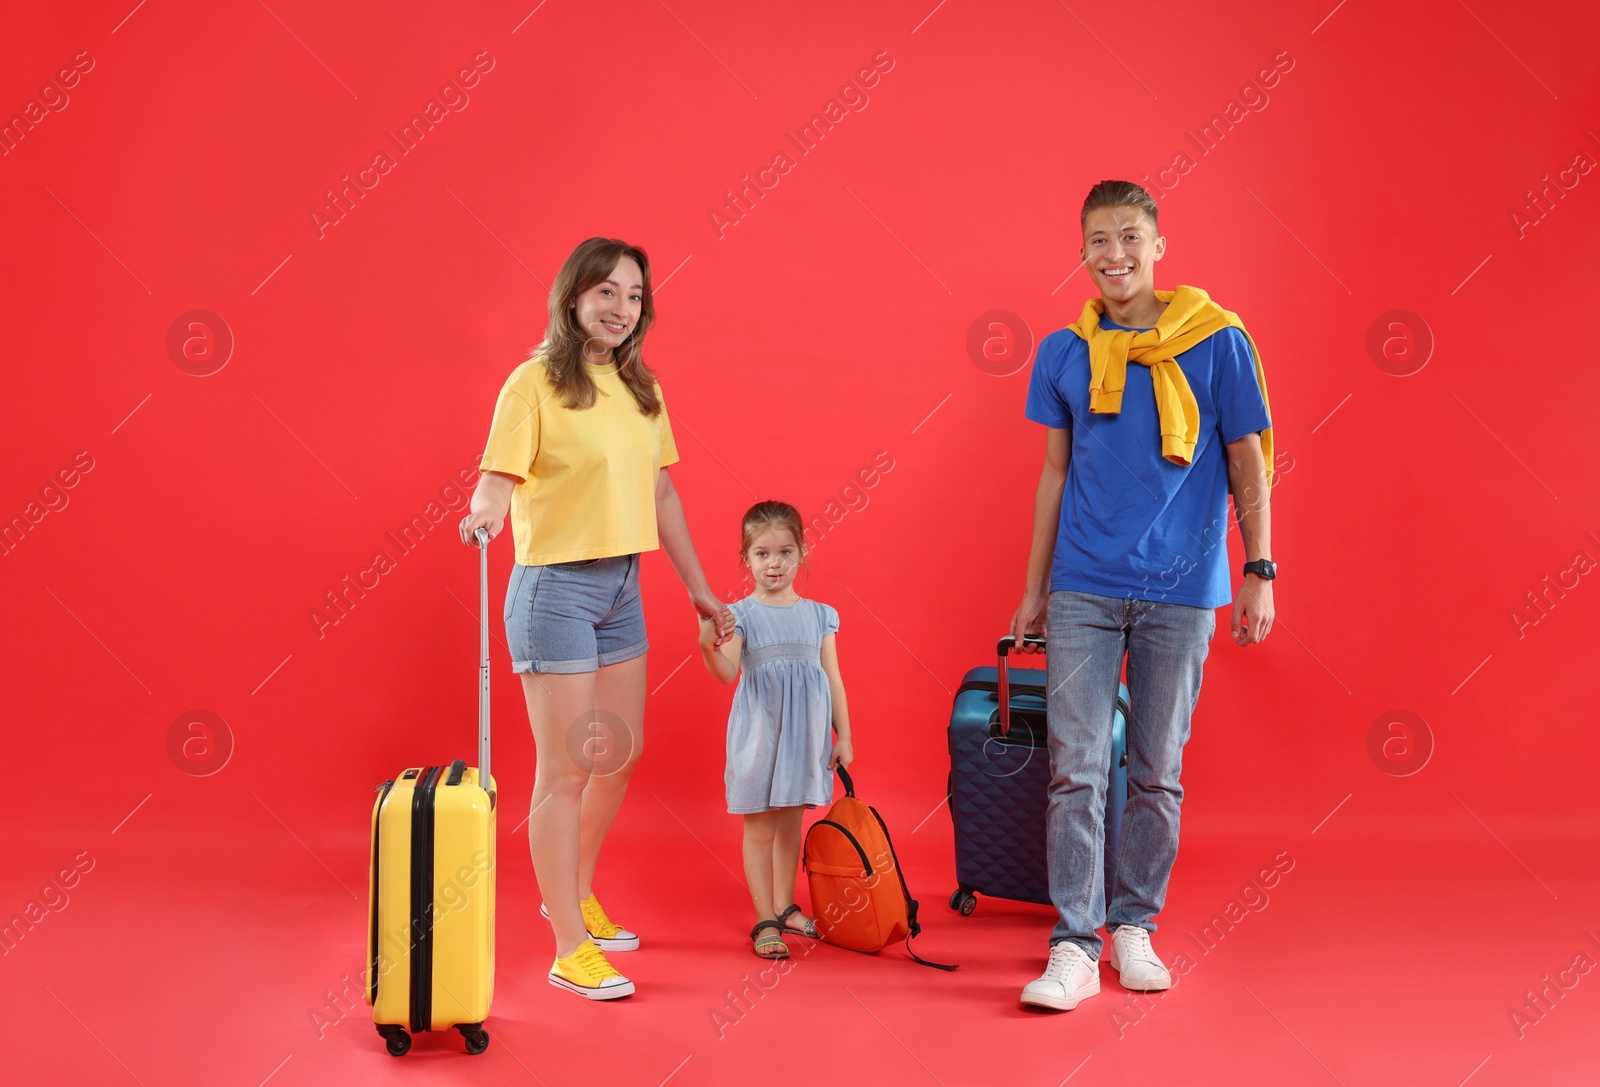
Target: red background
x,y
818,332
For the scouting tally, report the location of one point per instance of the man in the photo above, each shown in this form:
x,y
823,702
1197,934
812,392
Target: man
x,y
1156,407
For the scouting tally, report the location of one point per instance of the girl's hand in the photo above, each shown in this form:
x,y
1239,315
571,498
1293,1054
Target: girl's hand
x,y
843,755
709,607
708,633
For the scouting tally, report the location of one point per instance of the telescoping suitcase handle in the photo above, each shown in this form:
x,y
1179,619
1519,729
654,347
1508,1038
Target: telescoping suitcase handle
x,y
1004,651
483,662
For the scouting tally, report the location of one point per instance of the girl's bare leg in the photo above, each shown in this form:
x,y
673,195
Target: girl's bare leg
x,y
786,862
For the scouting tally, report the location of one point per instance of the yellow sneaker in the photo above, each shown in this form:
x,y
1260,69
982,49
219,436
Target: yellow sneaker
x,y
587,973
606,934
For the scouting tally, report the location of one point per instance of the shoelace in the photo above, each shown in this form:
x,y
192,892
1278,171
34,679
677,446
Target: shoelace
x,y
599,923
594,962
1135,945
1061,961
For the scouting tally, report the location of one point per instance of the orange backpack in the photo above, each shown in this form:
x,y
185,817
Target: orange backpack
x,y
858,892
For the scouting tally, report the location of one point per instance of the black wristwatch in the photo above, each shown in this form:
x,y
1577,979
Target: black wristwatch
x,y
1262,568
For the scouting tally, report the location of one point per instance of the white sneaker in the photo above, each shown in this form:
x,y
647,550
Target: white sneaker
x,y
1135,961
1070,976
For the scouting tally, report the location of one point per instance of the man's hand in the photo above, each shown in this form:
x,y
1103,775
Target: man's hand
x,y
1252,611
1031,617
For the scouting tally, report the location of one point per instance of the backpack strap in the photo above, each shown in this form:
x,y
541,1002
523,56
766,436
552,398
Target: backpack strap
x,y
924,962
844,777
911,904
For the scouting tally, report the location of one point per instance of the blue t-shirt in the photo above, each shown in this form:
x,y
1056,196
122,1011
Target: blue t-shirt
x,y
1133,524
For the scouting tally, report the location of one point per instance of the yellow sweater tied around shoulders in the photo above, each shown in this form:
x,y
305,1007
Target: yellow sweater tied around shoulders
x,y
1189,318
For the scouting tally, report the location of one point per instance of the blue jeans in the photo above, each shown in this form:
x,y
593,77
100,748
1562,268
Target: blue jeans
x,y
1166,646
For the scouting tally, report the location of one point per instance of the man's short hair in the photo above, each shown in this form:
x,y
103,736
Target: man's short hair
x,y
1119,194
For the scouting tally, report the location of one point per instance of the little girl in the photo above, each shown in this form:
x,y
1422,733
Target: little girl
x,y
780,761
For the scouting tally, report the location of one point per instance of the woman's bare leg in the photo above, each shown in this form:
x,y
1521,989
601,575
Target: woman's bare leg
x,y
554,701
609,743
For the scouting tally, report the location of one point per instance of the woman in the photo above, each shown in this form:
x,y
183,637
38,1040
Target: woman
x,y
578,452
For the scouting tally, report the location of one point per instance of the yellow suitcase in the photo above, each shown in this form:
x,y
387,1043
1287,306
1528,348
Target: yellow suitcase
x,y
430,932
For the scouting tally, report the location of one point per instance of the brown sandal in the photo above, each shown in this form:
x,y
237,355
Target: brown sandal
x,y
769,947
808,929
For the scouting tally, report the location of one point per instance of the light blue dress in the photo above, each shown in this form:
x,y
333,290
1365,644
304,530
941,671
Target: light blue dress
x,y
780,730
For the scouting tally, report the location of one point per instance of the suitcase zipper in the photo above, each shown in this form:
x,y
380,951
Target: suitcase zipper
x,y
993,688
422,900
377,830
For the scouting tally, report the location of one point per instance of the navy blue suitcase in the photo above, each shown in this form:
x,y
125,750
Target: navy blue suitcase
x,y
1000,781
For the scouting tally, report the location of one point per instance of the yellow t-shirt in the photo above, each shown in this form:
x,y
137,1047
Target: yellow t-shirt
x,y
588,477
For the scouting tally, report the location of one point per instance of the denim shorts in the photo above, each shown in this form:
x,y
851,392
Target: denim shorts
x,y
574,616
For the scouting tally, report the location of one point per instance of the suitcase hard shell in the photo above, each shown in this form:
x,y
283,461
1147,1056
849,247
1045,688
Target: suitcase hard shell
x,y
430,912
999,784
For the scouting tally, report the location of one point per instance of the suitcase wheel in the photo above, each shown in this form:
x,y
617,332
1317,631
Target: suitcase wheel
x,y
477,1038
396,1040
963,901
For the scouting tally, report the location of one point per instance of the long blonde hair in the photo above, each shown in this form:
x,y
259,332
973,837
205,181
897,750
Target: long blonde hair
x,y
562,347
